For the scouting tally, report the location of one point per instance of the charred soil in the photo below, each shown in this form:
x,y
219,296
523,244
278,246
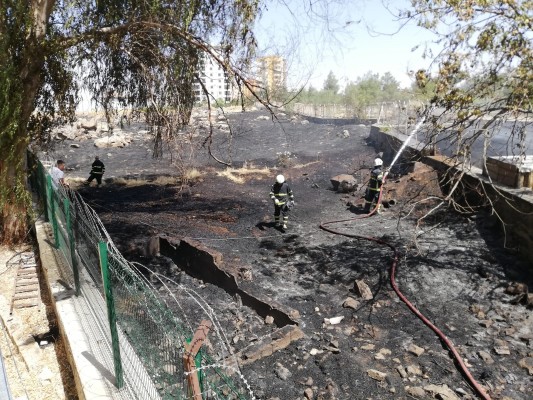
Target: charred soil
x,y
452,267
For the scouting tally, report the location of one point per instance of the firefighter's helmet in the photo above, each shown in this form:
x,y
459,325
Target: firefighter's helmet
x,y
378,162
280,179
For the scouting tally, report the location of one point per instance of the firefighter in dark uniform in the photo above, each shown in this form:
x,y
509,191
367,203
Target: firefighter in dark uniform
x,y
97,171
281,195
374,186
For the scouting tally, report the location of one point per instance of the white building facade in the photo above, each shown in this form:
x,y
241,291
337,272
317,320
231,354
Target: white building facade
x,y
215,80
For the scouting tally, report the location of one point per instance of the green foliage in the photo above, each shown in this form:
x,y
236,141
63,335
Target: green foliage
x,y
373,89
484,74
139,54
331,84
367,90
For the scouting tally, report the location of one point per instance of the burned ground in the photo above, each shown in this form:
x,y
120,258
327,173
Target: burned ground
x,y
456,271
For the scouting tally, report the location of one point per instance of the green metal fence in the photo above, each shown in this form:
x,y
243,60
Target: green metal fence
x,y
148,330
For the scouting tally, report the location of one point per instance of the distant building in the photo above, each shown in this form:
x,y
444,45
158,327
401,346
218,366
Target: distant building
x,y
215,80
271,72
268,73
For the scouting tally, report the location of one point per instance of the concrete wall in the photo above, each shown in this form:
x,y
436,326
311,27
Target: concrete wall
x,y
338,121
513,206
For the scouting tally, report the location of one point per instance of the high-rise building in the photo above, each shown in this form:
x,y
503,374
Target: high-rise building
x,y
271,72
215,80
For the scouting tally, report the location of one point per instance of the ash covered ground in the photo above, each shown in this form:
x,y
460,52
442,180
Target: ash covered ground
x,y
452,267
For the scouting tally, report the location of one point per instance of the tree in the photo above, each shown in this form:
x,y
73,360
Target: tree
x,y
331,83
484,75
364,92
138,53
390,87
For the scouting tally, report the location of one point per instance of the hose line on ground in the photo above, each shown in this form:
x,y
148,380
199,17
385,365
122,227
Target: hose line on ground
x,y
477,387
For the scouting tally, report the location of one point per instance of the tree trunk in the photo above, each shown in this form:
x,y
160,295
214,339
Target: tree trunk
x,y
15,199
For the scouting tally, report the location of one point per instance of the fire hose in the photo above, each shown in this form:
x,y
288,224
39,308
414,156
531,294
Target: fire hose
x,y
462,366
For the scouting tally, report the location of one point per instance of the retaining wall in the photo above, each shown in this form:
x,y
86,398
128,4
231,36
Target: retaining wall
x,y
513,206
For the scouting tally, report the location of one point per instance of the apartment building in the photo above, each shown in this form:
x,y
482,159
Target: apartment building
x,y
268,72
271,72
215,80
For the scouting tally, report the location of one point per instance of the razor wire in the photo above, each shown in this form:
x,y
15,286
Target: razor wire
x,y
154,319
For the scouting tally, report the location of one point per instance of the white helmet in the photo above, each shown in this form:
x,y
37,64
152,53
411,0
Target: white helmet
x,y
378,162
280,179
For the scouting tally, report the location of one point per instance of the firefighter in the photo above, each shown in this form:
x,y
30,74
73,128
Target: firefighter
x,y
97,171
374,186
281,195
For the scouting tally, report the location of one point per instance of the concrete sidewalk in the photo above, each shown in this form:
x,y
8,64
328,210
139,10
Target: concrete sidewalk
x,y
88,347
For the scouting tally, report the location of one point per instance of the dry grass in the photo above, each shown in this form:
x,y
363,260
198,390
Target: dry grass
x,y
300,166
238,175
192,174
187,177
129,182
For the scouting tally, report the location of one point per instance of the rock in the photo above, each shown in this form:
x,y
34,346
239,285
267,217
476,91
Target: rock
x,y
413,370
350,302
415,391
331,389
382,354
362,290
417,351
476,308
527,363
516,288
526,337
529,300
66,133
486,323
344,183
269,320
308,394
282,372
401,371
485,356
333,321
75,145
115,140
88,125
368,346
502,350
314,352
294,314
245,274
377,375
443,391
385,352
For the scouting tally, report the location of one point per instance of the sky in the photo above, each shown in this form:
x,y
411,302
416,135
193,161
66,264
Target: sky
x,y
361,36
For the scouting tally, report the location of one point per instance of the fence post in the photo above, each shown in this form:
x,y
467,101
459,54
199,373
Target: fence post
x,y
110,301
42,188
52,211
73,258
191,349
